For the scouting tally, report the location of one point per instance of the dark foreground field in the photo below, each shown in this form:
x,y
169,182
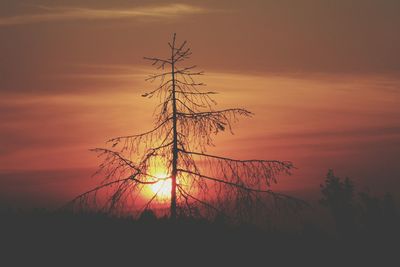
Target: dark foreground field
x,y
66,239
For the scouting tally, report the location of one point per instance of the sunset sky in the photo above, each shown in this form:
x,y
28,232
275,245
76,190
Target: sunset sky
x,y
322,77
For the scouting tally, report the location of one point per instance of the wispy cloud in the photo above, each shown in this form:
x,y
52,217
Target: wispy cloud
x,y
78,13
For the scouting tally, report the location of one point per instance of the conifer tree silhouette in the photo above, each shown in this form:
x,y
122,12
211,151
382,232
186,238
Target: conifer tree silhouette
x,y
201,184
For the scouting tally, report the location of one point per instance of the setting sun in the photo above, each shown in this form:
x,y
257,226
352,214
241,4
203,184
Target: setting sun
x,y
163,187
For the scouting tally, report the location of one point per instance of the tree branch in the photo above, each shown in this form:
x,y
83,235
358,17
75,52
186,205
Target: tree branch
x,y
270,192
117,139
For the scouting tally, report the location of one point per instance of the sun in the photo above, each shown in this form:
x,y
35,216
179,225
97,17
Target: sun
x,y
163,187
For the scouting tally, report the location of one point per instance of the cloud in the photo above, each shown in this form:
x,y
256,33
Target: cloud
x,y
383,131
77,13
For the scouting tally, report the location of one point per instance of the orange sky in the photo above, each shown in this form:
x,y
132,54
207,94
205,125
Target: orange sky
x,y
322,79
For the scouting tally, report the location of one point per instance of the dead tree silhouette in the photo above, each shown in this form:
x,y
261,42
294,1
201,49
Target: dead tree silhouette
x,y
201,184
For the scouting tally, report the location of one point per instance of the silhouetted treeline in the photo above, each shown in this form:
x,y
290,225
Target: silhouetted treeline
x,y
358,214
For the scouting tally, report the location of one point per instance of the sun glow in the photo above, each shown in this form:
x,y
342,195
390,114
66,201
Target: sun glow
x,y
163,187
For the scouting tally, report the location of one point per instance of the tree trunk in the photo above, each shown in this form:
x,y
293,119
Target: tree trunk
x,y
175,139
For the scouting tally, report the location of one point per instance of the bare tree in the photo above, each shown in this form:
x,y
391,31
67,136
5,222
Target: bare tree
x,y
185,121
